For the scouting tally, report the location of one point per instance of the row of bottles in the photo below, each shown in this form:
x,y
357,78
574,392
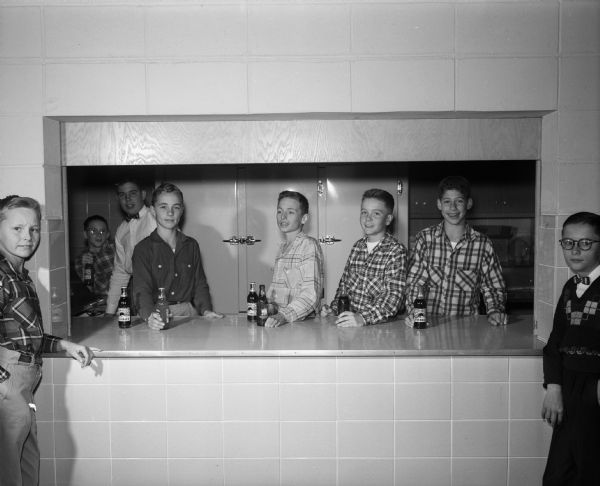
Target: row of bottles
x,y
124,308
258,306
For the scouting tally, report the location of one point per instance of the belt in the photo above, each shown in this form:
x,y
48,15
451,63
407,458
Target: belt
x,y
29,359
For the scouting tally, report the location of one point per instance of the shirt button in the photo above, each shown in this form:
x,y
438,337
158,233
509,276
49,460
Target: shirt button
x,y
172,292
160,266
176,275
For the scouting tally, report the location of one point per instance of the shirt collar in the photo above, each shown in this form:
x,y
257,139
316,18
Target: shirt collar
x,y
594,274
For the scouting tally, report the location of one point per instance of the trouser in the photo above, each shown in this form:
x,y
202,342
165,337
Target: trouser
x,y
19,452
573,459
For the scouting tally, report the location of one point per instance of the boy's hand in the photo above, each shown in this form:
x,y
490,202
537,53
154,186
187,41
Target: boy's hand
x,y
212,314
83,354
409,320
552,407
275,321
326,311
498,319
350,319
155,321
87,258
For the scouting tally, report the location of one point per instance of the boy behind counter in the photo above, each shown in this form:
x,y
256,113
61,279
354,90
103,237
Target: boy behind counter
x,y
454,262
171,260
375,272
572,361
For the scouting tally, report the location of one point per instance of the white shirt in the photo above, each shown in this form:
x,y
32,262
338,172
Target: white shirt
x,y
129,234
371,245
581,288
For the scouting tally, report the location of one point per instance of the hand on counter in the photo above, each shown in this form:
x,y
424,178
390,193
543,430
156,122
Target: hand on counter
x,y
155,321
350,319
275,321
498,319
212,314
81,353
409,320
326,311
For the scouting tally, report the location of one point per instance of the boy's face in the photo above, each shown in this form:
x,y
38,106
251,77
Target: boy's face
x,y
131,198
289,215
19,234
579,261
96,234
454,206
375,217
168,210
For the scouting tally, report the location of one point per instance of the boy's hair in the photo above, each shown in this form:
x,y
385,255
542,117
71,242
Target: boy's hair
x,y
457,183
166,187
298,197
591,219
130,180
95,217
14,201
384,196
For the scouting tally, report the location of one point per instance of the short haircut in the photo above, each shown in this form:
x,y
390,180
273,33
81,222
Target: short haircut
x,y
91,219
298,197
384,196
456,183
129,180
14,202
591,219
166,187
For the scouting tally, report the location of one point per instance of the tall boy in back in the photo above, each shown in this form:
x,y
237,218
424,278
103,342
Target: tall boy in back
x,y
171,260
375,273
572,361
139,222
454,263
297,281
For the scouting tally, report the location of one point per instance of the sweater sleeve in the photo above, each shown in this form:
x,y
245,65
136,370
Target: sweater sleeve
x,y
201,292
142,283
552,359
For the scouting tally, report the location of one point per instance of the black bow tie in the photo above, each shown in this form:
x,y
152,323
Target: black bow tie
x,y
584,280
129,217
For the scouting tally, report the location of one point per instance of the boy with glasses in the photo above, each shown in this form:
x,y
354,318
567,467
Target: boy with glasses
x,y
572,361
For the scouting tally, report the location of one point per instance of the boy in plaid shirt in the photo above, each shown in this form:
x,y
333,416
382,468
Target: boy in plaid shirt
x,y
454,263
100,253
375,272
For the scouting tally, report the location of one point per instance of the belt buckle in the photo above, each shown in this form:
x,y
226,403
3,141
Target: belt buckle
x,y
26,358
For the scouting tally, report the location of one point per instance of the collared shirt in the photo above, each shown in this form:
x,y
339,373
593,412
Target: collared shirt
x,y
298,277
179,272
581,287
129,234
20,316
453,278
374,281
102,263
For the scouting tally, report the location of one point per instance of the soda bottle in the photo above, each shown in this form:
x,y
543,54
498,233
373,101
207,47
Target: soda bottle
x,y
88,274
262,308
420,310
252,301
162,307
124,309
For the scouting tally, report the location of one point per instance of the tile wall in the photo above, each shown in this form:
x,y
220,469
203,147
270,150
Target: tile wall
x,y
284,421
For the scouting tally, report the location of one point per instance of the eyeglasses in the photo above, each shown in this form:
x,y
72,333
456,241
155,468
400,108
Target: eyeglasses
x,y
95,231
584,244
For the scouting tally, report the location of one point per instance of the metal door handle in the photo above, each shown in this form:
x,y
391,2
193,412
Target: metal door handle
x,y
241,240
250,240
234,240
329,240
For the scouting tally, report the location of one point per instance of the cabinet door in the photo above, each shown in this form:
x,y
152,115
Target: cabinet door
x,y
339,210
258,188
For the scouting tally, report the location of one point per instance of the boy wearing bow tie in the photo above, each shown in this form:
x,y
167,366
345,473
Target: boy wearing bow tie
x,y
139,222
572,361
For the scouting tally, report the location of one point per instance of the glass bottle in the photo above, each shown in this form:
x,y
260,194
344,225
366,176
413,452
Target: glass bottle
x,y
252,302
262,308
420,310
162,307
124,309
88,274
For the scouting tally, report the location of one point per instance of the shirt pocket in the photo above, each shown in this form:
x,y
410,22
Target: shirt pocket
x,y
466,280
436,276
293,277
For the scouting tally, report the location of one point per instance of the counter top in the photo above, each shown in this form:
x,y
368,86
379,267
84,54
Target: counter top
x,y
235,336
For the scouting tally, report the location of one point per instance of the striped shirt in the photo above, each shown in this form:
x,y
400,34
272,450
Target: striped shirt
x,y
298,277
102,262
20,316
374,281
454,278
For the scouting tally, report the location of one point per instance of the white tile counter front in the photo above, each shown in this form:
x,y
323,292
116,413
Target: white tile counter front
x,y
227,403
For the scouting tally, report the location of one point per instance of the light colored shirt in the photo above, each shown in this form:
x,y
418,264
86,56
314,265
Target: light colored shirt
x,y
298,277
581,287
129,233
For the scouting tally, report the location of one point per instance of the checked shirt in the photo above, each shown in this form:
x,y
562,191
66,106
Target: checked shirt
x,y
20,317
103,266
453,278
374,282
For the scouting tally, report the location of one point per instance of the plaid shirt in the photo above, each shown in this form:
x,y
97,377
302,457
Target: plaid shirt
x,y
102,263
453,278
20,317
298,277
374,282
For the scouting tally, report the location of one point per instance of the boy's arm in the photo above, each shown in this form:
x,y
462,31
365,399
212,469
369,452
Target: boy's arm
x,y
119,278
79,266
142,284
343,285
201,292
311,273
492,283
552,358
389,301
417,272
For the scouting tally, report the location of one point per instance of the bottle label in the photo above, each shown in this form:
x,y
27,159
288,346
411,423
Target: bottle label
x,y
124,314
252,309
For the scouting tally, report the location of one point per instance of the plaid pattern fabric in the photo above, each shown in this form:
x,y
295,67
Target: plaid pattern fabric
x,y
103,266
20,317
298,277
453,278
374,282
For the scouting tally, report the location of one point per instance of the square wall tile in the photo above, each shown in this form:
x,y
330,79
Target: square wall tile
x,y
307,370
504,84
81,403
586,178
422,370
365,370
132,403
365,402
479,471
20,32
191,472
45,433
138,439
480,401
529,438
251,402
308,439
526,400
359,472
522,368
194,402
309,402
21,89
366,439
21,140
256,370
403,85
579,82
402,29
188,31
137,371
487,368
422,402
251,472
149,472
47,472
44,401
91,472
480,439
430,438
194,371
579,27
194,439
94,31
578,136
72,439
525,470
25,180
301,29
545,284
430,471
251,440
314,472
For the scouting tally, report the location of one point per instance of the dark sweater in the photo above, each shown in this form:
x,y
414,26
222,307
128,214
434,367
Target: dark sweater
x,y
574,342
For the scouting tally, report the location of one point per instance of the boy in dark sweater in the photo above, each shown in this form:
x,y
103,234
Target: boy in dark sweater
x,y
572,361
